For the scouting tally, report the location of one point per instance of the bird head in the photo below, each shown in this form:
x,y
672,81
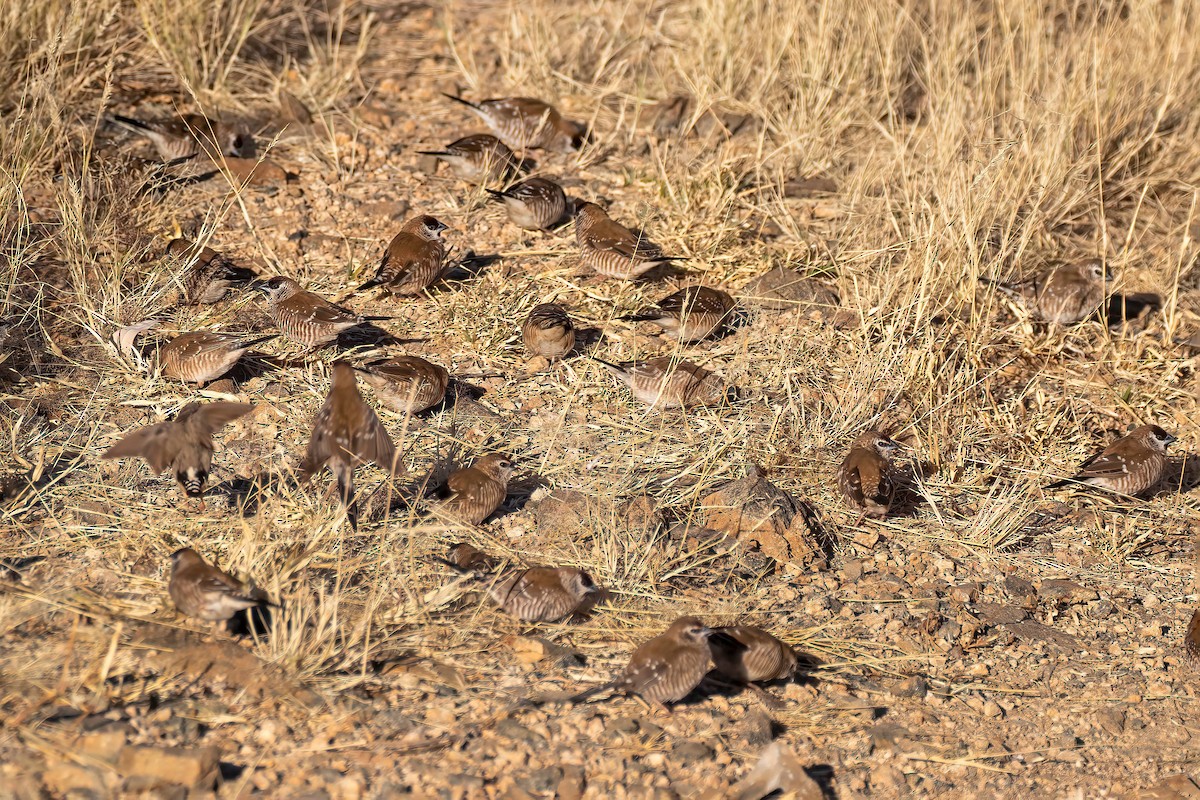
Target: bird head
x,y
1157,438
689,629
277,288
182,557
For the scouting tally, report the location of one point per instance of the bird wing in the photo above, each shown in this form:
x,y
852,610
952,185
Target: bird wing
x,y
461,482
324,311
211,417
215,580
608,234
321,446
154,443
1103,465
374,444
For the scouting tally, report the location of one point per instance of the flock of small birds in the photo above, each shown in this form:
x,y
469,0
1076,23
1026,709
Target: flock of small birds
x,y
347,432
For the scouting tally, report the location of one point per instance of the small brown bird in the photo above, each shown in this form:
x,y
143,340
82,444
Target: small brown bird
x,y
478,158
544,594
669,383
1064,294
1131,465
746,654
534,204
305,317
548,331
467,557
347,433
691,314
183,444
524,122
210,275
665,669
187,135
1191,637
865,475
406,384
478,490
413,259
612,250
202,357
200,590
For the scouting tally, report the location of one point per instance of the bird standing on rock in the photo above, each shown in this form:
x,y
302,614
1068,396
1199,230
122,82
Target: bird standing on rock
x,y
525,122
612,250
305,317
202,591
347,433
413,259
1131,465
183,444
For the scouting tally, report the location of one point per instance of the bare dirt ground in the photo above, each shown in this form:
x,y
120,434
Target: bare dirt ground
x,y
988,639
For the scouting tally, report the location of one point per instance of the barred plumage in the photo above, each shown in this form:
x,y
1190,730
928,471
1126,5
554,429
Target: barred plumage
x,y
406,384
534,204
413,259
183,444
611,249
200,590
668,383
691,314
525,122
548,331
746,654
202,357
478,490
188,135
210,276
1131,465
865,475
478,158
543,594
347,433
1064,294
668,667
305,317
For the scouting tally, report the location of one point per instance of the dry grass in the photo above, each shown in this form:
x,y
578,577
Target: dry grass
x,y
963,141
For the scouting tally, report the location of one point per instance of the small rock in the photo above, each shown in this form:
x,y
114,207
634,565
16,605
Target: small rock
x,y
914,686
754,510
808,187
1066,592
171,765
778,770
785,288
386,209
693,751
572,784
66,779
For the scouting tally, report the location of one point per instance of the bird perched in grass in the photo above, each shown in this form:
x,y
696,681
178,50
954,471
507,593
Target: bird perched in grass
x,y
544,594
184,444
689,315
610,249
202,591
525,122
187,135
670,383
1131,465
210,276
548,331
865,475
346,434
1063,294
305,317
478,158
534,205
413,259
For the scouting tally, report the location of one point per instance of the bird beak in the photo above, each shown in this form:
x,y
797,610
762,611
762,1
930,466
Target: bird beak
x,y
1172,438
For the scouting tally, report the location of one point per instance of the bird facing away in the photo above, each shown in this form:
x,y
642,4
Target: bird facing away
x,y
1131,465
534,204
525,122
548,331
200,590
183,444
610,249
666,668
347,433
745,654
187,135
667,383
305,317
544,594
210,277
1063,294
464,556
478,158
478,490
202,357
691,314
865,475
413,259
406,384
